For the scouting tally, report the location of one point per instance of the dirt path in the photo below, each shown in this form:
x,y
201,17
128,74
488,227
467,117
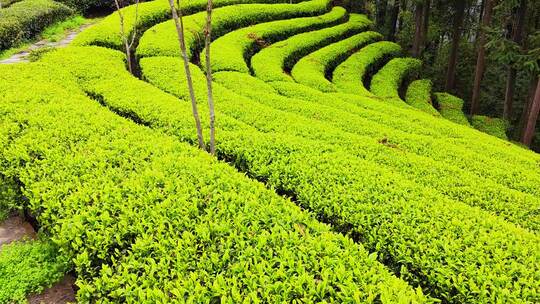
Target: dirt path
x,y
23,55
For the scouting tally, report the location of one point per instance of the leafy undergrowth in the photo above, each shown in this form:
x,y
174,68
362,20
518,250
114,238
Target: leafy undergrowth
x,y
28,267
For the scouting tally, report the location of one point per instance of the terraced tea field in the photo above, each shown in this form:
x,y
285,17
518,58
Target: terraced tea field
x,y
340,176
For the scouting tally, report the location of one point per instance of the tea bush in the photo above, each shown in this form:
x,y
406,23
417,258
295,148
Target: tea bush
x,y
365,199
24,20
272,63
233,51
419,96
350,75
313,69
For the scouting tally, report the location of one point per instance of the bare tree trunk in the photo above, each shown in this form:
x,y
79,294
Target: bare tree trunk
x,y
208,41
127,41
419,20
456,38
532,117
511,78
180,31
481,60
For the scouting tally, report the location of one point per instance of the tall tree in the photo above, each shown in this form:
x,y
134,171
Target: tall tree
x,y
177,17
382,6
517,37
459,13
208,41
425,23
393,20
419,28
126,39
532,117
481,59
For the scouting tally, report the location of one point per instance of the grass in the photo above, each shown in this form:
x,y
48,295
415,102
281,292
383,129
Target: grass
x,y
59,30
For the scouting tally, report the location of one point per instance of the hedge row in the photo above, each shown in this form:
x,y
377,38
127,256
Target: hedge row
x,y
29,267
451,108
387,82
26,19
233,51
272,63
345,190
107,32
162,40
149,219
337,126
313,70
419,96
350,75
493,126
462,148
418,232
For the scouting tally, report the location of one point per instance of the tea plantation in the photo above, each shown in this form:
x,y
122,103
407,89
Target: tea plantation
x,y
340,177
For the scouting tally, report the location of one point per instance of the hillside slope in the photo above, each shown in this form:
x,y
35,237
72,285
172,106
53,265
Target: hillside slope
x,y
385,199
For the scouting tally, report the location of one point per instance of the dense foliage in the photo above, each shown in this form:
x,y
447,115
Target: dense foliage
x,y
29,267
26,19
339,176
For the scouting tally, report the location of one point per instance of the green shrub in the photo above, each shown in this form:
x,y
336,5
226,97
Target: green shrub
x,y
29,267
150,219
349,76
274,62
493,126
233,51
418,232
6,3
162,40
26,19
451,108
386,83
106,33
314,69
10,197
419,96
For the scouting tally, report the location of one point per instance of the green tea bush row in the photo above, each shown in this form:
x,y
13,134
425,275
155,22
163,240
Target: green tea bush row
x,y
493,126
337,126
419,96
107,32
302,168
26,19
451,108
272,63
349,76
162,40
29,267
149,219
233,51
418,232
386,83
482,155
313,69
